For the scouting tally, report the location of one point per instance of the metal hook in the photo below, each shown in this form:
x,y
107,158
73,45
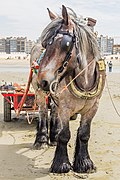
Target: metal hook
x,y
53,86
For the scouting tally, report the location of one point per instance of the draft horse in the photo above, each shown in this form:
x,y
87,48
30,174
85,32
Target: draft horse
x,y
74,73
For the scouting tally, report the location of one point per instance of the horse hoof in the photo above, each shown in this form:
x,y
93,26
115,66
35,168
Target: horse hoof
x,y
84,166
38,146
64,168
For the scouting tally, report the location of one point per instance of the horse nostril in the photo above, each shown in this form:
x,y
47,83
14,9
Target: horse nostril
x,y
45,85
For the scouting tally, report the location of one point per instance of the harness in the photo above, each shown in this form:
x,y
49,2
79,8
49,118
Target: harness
x,y
96,89
61,72
68,54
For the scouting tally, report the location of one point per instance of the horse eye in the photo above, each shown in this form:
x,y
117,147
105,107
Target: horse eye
x,y
66,42
50,41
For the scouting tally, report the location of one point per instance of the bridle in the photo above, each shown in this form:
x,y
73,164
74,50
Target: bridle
x,y
69,52
69,39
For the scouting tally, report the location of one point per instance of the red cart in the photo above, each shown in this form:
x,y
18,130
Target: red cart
x,y
18,99
12,101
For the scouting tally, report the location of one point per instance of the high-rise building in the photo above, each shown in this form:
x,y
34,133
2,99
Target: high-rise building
x,y
105,44
110,43
10,45
13,45
21,44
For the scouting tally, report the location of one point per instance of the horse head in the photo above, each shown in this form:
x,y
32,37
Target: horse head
x,y
64,52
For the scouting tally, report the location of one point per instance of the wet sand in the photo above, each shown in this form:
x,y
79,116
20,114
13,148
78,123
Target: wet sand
x,y
19,161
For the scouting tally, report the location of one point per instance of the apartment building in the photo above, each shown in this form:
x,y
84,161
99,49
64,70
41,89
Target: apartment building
x,y
21,44
105,44
13,45
16,44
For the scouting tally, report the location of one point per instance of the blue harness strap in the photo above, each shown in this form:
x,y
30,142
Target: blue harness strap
x,y
41,56
38,61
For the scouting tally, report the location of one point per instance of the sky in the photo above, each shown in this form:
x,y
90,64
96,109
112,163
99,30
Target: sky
x,y
27,18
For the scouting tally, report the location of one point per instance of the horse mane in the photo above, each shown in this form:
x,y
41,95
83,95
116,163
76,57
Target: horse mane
x,y
87,42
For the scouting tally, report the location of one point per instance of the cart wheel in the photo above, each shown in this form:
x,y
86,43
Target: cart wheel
x,y
7,111
74,117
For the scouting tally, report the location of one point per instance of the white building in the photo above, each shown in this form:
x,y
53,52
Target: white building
x,y
29,45
105,44
13,45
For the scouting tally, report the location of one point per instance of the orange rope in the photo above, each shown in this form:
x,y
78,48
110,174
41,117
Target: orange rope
x,y
65,87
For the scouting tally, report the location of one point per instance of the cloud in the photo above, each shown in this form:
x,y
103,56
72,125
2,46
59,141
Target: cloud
x,y
7,25
29,17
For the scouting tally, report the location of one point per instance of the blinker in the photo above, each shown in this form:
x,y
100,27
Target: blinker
x,y
66,42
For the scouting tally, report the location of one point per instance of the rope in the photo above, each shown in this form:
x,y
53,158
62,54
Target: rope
x,y
65,87
112,99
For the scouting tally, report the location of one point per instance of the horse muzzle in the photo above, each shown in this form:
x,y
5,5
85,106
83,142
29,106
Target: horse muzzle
x,y
46,86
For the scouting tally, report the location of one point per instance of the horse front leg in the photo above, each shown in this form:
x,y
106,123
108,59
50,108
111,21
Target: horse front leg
x,y
41,139
61,162
82,162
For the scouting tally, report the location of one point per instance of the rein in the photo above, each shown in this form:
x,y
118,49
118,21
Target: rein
x,y
63,67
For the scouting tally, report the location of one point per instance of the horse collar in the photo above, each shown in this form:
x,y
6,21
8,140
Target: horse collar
x,y
98,86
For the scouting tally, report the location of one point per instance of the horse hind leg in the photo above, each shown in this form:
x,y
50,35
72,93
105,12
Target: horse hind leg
x,y
82,162
55,125
41,140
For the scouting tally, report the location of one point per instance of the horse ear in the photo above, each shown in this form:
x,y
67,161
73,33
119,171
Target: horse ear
x,y
51,14
65,15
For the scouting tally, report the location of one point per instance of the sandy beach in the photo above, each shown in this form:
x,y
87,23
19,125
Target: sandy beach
x,y
18,161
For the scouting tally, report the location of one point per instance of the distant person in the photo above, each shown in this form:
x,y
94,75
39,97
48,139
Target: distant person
x,y
110,66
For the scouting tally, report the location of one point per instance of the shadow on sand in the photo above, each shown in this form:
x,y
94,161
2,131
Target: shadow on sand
x,y
17,158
